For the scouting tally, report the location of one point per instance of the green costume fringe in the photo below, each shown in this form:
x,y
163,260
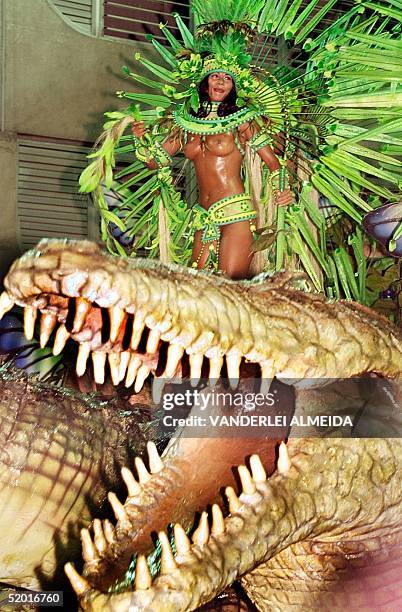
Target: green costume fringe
x,y
335,117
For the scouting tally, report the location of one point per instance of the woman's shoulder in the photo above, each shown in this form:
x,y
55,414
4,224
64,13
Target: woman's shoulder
x,y
251,128
248,129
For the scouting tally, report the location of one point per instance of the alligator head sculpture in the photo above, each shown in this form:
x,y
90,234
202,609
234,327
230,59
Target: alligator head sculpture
x,y
330,509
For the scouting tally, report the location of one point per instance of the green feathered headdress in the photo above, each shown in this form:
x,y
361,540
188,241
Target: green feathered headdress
x,y
224,31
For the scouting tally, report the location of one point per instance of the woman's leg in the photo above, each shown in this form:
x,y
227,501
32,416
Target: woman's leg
x,y
235,249
198,247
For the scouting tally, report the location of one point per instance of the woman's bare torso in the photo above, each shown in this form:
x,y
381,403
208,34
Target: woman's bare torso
x,y
217,161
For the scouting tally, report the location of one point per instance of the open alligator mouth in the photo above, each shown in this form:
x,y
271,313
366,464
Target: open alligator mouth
x,y
296,515
123,322
141,317
244,517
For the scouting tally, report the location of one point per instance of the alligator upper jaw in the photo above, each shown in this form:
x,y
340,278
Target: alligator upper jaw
x,y
142,317
136,315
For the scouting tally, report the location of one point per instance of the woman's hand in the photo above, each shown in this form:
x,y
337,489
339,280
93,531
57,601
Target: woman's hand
x,y
138,129
284,198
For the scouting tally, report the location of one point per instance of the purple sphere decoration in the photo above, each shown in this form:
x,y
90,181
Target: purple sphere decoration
x,y
381,224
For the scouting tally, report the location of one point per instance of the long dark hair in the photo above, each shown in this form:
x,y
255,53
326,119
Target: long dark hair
x,y
226,107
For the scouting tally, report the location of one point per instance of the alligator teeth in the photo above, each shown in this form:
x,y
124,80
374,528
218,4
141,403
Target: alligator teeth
x,y
89,551
47,324
218,522
267,374
155,462
234,501
82,308
257,469
133,366
201,534
168,564
132,485
109,531
114,365
124,361
181,540
153,341
29,321
142,374
138,328
83,354
247,483
143,474
117,507
78,582
99,537
203,342
233,366
62,335
215,366
283,459
174,355
143,578
117,316
195,368
158,384
98,361
6,303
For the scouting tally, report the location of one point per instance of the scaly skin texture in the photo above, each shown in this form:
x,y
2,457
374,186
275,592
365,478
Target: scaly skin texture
x,y
333,491
322,572
290,334
179,491
59,455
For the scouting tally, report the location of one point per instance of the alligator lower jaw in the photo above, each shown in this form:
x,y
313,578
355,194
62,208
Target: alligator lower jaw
x,y
105,540
297,504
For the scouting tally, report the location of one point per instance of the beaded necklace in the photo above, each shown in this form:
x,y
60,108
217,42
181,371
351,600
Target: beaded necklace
x,y
213,125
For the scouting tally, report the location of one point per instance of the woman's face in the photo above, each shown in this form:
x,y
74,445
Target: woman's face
x,y
219,86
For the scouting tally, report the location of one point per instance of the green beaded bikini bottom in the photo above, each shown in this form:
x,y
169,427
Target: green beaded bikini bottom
x,y
228,210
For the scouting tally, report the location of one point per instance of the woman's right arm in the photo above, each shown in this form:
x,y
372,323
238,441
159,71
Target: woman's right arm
x,y
171,145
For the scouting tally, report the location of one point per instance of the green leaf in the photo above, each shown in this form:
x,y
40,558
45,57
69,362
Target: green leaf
x,y
383,10
299,248
90,177
115,115
343,186
166,55
334,277
174,43
151,99
334,197
280,240
379,131
357,242
355,177
373,100
186,34
314,21
288,17
159,71
146,81
112,218
302,17
297,220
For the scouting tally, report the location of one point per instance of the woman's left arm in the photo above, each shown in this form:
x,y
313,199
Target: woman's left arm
x,y
282,198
